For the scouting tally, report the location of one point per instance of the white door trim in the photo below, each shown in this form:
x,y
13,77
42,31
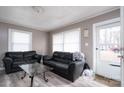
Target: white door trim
x,y
122,44
94,37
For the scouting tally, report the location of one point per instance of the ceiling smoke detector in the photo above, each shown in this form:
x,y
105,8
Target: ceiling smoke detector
x,y
38,9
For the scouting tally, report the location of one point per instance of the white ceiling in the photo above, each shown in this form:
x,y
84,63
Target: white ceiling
x,y
50,17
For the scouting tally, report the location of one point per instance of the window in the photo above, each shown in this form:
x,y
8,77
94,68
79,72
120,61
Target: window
x,y
19,40
58,42
68,41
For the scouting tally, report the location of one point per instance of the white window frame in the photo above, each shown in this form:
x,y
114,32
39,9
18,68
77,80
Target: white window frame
x,y
10,37
78,29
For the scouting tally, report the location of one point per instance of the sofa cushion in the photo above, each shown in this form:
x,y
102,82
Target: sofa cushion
x,y
17,59
29,55
30,61
62,60
17,63
57,65
63,55
50,63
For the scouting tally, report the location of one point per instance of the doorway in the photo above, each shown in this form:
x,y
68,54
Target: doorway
x,y
107,49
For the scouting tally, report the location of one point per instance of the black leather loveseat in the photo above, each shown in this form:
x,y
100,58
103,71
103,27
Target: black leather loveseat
x,y
13,59
68,65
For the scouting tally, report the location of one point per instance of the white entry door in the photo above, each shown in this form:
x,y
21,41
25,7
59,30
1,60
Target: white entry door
x,y
108,49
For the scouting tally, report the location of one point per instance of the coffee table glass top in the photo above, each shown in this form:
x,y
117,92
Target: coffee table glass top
x,y
34,68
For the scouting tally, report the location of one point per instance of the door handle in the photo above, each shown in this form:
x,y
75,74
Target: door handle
x,y
122,57
122,49
96,48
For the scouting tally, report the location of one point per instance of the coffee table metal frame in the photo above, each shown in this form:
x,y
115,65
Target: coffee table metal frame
x,y
31,76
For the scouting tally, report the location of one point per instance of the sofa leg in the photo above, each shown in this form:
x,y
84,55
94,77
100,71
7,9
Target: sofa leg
x,y
7,72
32,79
44,77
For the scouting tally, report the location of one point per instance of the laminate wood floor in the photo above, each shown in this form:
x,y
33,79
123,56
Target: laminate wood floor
x,y
14,80
107,81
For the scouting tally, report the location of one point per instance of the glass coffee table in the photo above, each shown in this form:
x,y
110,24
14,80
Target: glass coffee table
x,y
35,69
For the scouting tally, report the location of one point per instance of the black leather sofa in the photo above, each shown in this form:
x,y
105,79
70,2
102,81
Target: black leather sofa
x,y
12,60
66,64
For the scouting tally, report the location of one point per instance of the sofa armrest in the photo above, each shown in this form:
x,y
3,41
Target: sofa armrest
x,y
38,57
47,58
76,69
7,64
7,59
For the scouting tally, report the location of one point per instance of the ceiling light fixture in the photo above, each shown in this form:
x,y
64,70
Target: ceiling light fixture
x,y
38,9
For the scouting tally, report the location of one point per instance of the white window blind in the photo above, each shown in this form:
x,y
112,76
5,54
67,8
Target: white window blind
x,y
20,40
72,41
68,41
58,42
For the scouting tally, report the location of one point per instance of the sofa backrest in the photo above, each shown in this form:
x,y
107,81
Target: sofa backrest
x,y
29,54
65,57
15,55
20,55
